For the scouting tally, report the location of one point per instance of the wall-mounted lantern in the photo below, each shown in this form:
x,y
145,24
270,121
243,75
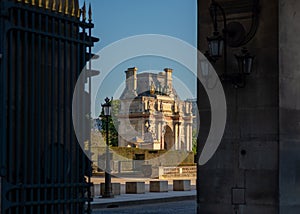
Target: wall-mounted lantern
x,y
233,35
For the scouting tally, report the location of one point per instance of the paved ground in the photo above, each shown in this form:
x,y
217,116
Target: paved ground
x,y
147,198
179,207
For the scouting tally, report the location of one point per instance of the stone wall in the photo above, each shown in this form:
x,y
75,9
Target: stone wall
x,y
242,176
289,77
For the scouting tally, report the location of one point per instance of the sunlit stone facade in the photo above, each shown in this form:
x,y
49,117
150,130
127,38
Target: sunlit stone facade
x,y
151,114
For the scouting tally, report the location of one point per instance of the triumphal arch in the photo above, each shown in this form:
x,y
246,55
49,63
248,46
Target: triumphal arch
x,y
151,114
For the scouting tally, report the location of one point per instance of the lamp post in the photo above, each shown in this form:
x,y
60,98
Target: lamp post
x,y
108,187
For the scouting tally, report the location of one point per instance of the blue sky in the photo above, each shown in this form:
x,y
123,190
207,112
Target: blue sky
x,y
118,19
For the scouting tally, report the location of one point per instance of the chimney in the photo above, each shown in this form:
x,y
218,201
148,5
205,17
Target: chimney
x,y
168,78
131,80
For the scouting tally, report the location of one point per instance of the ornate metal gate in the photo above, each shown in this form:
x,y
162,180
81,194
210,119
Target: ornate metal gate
x,y
44,44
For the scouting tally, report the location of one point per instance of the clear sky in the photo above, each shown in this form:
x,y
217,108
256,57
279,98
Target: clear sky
x,y
118,19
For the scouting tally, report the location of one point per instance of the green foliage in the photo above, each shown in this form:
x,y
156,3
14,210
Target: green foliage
x,y
112,124
168,160
195,141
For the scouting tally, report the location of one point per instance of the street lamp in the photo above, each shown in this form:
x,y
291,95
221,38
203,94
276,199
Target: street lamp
x,y
106,107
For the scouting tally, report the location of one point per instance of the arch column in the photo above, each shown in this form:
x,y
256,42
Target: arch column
x,y
176,135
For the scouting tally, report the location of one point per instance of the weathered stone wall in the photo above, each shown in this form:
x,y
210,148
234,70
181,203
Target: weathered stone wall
x,y
289,43
245,168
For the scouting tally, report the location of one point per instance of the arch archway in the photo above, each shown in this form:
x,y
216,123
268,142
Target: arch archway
x,y
168,138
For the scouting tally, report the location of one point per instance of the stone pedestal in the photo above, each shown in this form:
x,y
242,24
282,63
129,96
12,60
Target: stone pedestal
x,y
135,187
158,186
95,190
182,185
116,188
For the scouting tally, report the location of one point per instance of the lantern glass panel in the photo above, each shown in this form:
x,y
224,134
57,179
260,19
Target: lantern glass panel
x,y
216,47
245,62
248,62
204,68
106,110
221,45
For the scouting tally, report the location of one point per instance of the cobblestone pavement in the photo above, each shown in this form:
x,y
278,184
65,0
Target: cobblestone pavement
x,y
180,207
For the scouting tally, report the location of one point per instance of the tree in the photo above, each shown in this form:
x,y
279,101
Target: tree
x,y
112,124
195,141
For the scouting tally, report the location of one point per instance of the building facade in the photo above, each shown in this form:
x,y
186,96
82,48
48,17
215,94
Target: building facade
x,y
151,114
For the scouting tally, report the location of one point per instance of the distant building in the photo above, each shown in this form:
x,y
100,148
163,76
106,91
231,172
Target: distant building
x,y
195,113
151,114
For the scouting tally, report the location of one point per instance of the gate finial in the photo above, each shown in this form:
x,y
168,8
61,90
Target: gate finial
x,y
73,8
84,12
90,13
67,7
60,6
79,12
47,4
54,5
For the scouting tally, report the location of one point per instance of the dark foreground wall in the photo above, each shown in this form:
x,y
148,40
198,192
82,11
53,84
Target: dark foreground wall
x,y
243,176
289,31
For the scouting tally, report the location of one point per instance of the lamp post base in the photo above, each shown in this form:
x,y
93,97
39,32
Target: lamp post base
x,y
108,186
108,195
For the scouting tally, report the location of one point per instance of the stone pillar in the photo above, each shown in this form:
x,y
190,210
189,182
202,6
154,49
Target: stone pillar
x,y
289,106
187,137
191,137
162,138
159,132
176,135
242,176
179,136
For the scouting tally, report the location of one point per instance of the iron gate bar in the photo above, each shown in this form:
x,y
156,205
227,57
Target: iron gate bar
x,y
10,115
71,83
77,104
26,105
90,89
50,168
65,113
39,110
83,73
57,152
3,94
18,103
46,103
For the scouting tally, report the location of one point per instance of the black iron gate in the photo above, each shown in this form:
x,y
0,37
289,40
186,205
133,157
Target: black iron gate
x,y
44,44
